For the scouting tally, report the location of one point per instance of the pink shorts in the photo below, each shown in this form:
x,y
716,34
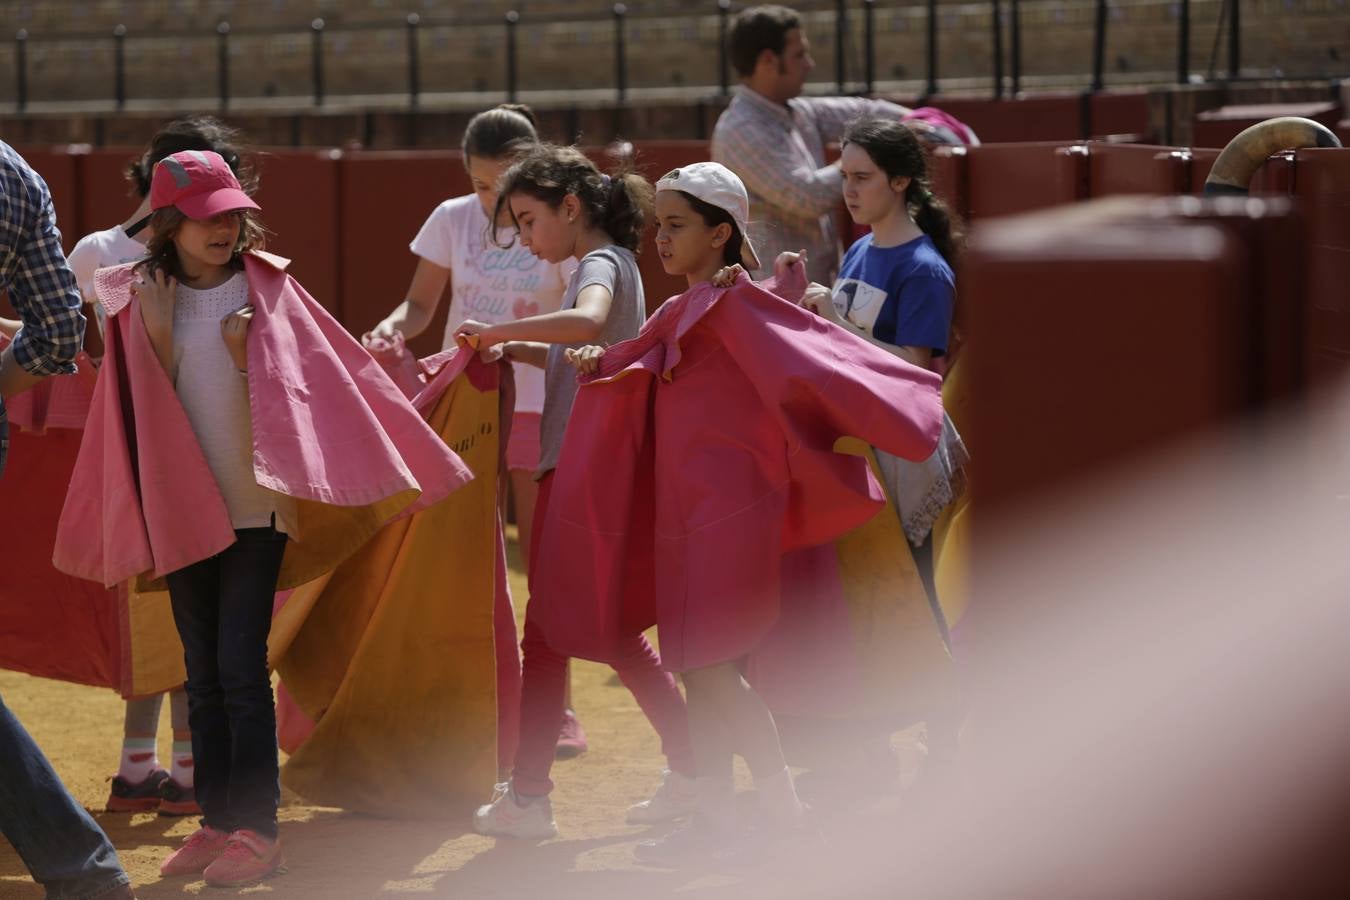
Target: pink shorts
x,y
522,448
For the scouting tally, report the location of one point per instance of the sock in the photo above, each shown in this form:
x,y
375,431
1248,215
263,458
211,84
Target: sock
x,y
779,795
717,800
181,767
138,759
523,800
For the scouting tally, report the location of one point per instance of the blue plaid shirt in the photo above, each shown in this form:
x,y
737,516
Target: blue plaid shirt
x,y
33,269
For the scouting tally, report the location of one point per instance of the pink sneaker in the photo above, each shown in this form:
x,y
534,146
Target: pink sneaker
x,y
199,850
572,738
248,857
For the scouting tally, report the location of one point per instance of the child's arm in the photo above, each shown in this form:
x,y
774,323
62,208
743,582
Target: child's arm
x,y
566,326
818,300
586,359
414,314
532,353
10,327
156,294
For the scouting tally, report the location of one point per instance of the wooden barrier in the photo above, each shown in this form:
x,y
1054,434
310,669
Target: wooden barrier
x,y
1152,318
1136,169
1322,191
385,198
1004,179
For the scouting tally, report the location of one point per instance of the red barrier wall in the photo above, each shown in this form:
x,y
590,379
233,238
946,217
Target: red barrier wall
x,y
1322,191
1136,169
1126,112
949,175
1050,117
1004,179
298,193
385,198
106,198
1087,283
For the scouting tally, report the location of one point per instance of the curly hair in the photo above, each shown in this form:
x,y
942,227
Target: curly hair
x,y
619,203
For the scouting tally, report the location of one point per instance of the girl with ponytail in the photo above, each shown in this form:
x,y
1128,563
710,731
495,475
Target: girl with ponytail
x,y
896,289
564,208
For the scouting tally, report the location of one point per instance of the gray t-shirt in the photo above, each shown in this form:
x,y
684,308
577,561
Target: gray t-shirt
x,y
616,269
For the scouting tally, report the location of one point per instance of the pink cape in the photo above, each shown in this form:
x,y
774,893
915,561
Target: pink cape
x,y
329,429
700,453
424,383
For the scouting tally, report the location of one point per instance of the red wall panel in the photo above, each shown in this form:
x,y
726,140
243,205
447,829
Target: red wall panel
x,y
1121,112
1322,192
1136,169
106,198
1051,117
384,197
1004,179
298,193
1085,285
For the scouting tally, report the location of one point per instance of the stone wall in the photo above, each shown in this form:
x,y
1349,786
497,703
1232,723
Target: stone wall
x,y
171,46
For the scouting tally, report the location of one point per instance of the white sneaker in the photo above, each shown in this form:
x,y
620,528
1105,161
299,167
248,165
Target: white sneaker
x,y
675,797
505,817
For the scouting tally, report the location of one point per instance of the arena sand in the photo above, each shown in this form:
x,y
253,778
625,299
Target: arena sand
x,y
337,855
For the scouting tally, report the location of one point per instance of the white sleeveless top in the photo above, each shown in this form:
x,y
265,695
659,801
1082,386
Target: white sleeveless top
x,y
215,397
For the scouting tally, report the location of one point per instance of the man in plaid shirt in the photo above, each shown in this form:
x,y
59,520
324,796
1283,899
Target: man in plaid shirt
x,y
774,139
61,845
41,286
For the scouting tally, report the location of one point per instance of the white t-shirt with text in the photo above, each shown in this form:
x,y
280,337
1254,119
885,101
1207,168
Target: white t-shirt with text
x,y
489,283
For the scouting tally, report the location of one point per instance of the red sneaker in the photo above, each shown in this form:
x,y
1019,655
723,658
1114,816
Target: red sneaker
x,y
199,850
140,797
176,800
572,738
248,857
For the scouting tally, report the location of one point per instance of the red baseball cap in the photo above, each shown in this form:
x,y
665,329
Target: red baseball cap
x,y
199,183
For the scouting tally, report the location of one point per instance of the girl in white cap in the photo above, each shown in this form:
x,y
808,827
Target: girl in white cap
x,y
701,216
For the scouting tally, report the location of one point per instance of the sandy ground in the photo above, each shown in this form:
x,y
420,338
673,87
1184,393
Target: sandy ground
x,y
334,854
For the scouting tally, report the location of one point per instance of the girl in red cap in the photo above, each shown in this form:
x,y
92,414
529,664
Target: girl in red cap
x,y
231,460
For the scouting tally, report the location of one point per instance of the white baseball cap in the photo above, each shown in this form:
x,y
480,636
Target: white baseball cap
x,y
718,186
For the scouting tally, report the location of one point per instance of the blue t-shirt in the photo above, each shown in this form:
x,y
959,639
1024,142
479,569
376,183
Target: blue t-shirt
x,y
901,295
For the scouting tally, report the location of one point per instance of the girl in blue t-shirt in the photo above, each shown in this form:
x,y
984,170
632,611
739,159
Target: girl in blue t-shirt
x,y
896,289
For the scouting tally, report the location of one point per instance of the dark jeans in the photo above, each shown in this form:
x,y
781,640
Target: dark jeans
x,y
63,848
223,609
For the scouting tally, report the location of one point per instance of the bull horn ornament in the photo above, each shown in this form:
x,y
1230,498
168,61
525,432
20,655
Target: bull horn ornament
x,y
1233,170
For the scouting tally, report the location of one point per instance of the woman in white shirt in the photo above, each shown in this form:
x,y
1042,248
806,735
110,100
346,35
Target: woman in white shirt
x,y
493,284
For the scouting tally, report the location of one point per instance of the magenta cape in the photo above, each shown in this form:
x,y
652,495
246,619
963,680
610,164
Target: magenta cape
x,y
329,429
701,452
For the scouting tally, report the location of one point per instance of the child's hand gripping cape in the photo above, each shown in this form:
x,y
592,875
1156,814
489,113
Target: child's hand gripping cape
x,y
329,429
703,450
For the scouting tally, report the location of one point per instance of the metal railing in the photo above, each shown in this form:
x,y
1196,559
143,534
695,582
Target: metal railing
x,y
1001,12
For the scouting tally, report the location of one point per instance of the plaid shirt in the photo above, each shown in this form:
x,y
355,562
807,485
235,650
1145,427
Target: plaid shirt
x,y
779,152
33,269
